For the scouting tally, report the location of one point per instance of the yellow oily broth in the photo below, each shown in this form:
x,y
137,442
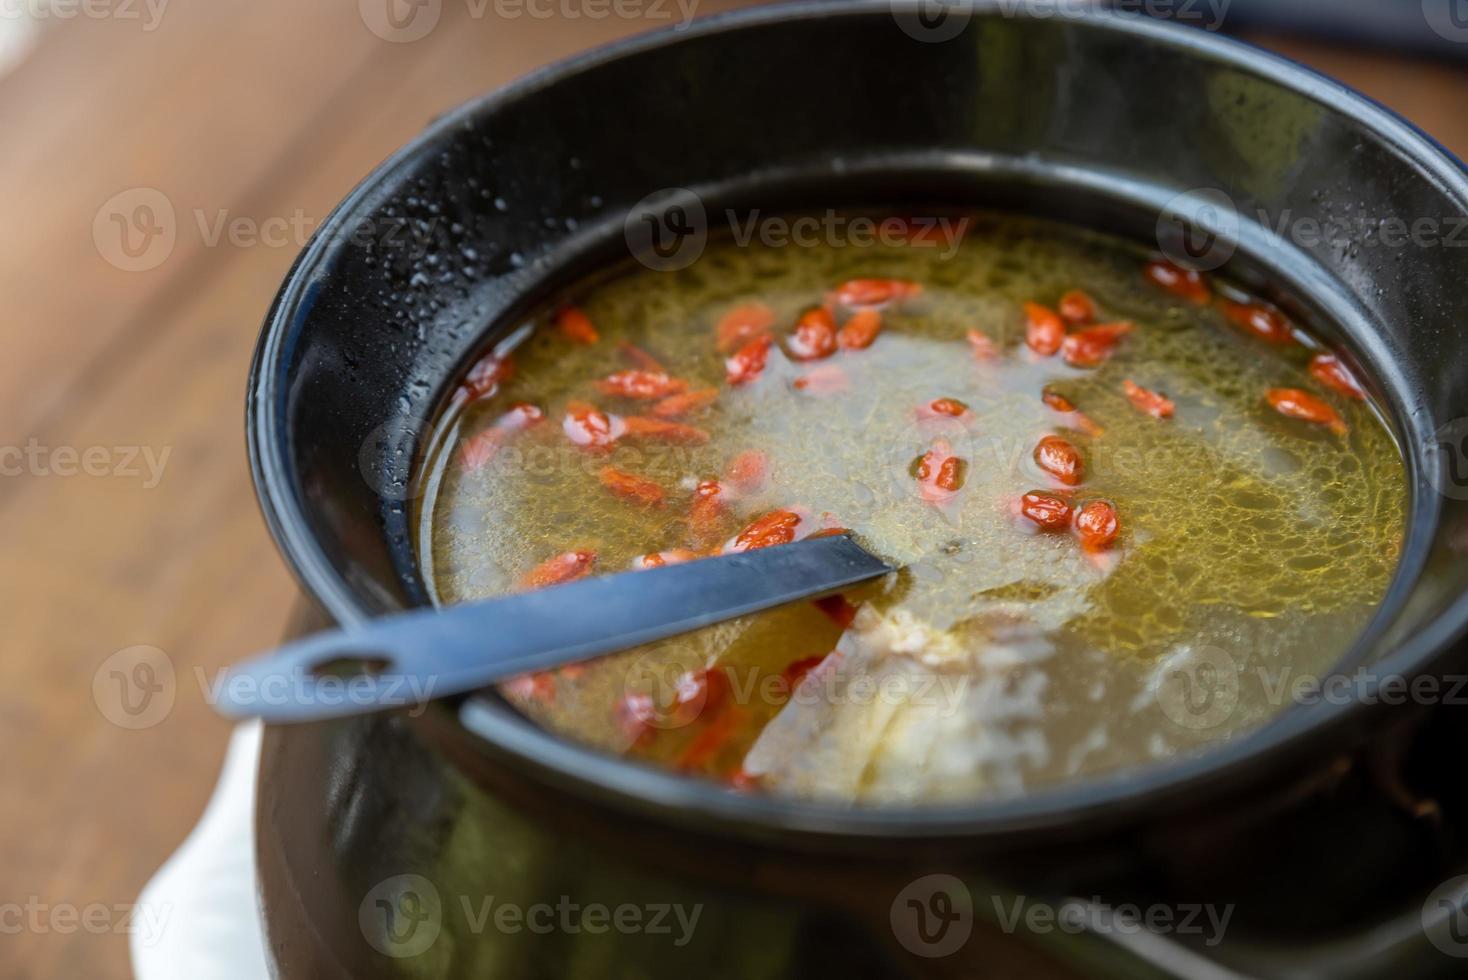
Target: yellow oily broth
x,y
1266,539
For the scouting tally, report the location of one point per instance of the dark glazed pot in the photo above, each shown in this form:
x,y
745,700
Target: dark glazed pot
x,y
381,838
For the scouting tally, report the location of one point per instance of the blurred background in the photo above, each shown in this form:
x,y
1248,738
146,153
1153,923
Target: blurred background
x,y
163,163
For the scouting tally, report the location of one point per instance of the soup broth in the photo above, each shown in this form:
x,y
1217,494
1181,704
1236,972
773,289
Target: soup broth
x,y
1131,505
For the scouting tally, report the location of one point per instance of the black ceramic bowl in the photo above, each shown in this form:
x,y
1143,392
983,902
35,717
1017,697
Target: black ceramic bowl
x,y
1096,119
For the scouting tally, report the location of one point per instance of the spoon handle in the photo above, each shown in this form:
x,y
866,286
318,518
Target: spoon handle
x,y
407,658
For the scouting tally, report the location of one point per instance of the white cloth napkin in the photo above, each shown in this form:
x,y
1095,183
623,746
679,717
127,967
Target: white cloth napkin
x,y
198,918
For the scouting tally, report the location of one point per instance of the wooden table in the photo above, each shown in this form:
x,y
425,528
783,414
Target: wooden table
x,y
266,111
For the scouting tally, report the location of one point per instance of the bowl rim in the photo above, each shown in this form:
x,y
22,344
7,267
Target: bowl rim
x,y
494,729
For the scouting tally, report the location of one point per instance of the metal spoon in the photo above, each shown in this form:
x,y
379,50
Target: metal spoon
x,y
407,658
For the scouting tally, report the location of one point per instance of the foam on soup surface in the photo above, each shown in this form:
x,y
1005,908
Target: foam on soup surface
x,y
1133,505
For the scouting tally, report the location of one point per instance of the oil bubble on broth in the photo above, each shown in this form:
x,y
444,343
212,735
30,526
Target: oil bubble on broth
x,y
1254,544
